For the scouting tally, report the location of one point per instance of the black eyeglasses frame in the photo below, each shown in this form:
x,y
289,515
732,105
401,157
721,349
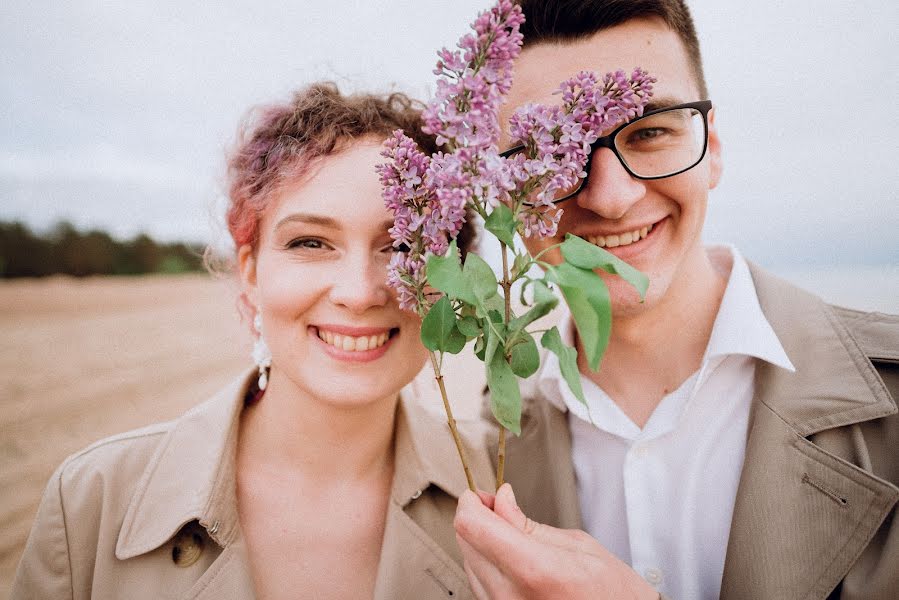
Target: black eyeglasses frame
x,y
608,141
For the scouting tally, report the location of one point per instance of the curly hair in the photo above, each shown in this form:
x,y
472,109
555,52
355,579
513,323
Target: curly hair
x,y
278,142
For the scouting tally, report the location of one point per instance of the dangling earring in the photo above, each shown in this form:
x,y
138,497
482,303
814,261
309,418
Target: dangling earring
x,y
262,356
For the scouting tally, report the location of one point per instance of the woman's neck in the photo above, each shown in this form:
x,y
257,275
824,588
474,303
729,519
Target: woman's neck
x,y
289,430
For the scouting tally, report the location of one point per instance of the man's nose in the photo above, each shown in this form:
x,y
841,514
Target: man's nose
x,y
610,191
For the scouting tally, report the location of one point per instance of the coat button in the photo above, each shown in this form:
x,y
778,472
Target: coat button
x,y
187,545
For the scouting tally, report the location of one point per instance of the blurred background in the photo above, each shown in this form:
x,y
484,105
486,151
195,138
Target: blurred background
x,y
114,118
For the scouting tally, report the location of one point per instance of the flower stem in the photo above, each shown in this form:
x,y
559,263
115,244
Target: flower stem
x,y
501,457
452,422
506,284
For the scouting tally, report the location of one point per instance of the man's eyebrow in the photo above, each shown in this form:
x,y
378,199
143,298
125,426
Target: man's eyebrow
x,y
662,102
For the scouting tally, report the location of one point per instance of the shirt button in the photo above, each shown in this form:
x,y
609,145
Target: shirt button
x,y
641,451
654,576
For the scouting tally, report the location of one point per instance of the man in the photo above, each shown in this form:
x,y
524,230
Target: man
x,y
741,438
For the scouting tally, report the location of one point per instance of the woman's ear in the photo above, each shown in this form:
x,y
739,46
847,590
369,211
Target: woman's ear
x,y
249,293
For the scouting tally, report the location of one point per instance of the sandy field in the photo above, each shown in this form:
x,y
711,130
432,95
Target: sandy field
x,y
84,359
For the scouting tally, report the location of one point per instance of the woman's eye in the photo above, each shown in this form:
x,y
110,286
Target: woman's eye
x,y
306,244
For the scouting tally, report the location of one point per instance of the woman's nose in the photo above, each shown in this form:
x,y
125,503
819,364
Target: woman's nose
x,y
360,283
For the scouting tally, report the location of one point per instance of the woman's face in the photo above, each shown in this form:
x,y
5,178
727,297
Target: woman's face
x,y
319,277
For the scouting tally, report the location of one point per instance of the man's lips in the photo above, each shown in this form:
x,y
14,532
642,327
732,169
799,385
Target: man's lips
x,y
620,238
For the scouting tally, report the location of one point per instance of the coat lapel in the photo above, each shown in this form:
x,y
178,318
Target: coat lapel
x,y
413,566
539,466
804,512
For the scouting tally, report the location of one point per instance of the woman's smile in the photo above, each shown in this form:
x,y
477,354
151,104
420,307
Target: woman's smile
x,y
354,344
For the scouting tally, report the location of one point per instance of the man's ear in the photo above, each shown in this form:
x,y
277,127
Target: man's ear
x,y
716,165
249,293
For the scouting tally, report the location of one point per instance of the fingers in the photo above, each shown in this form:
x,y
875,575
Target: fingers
x,y
506,507
477,569
486,532
487,499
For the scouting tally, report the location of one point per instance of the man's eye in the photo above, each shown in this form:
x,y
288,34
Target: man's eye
x,y
648,133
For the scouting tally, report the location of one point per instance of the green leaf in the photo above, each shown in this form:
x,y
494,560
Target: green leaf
x,y
470,327
520,265
588,299
544,302
480,278
552,341
480,348
439,331
501,223
490,305
585,255
525,357
445,274
505,395
493,342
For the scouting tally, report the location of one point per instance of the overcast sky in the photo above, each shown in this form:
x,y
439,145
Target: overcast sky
x,y
116,115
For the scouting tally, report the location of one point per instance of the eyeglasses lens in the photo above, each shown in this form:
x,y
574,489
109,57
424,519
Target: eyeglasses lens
x,y
663,143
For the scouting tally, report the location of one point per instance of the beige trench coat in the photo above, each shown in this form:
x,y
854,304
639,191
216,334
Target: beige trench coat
x,y
153,513
815,515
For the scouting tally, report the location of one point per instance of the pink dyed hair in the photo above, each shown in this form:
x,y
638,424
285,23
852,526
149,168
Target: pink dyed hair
x,y
278,142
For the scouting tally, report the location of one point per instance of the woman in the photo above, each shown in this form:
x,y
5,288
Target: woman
x,y
306,477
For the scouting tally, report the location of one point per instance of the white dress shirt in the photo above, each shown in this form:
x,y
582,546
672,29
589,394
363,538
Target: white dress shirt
x,y
661,498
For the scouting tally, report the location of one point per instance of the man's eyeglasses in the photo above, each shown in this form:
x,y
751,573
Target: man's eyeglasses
x,y
661,143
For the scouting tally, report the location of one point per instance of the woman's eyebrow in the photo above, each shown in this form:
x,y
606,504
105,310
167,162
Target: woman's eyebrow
x,y
309,219
322,221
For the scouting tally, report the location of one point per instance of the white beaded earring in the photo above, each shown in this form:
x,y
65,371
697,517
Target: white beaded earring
x,y
262,356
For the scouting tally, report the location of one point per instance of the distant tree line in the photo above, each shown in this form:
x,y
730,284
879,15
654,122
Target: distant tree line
x,y
68,251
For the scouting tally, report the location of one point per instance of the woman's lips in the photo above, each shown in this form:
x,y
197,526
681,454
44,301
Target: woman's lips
x,y
355,344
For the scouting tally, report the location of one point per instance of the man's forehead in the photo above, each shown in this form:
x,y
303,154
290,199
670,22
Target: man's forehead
x,y
645,43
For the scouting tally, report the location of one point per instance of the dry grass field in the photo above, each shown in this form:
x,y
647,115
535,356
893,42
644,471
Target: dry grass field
x,y
83,359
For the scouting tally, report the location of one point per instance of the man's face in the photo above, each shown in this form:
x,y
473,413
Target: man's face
x,y
614,203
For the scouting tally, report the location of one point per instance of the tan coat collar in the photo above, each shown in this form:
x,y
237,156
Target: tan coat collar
x,y
426,454
191,477
803,513
834,383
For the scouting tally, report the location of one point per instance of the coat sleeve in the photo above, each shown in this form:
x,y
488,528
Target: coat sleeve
x,y
45,569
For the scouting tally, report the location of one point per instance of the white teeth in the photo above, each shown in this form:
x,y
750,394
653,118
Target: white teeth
x,y
353,344
621,239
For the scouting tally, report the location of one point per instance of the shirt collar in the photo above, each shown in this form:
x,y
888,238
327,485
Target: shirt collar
x,y
740,328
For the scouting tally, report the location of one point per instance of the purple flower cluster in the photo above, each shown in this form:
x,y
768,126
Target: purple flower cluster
x,y
557,139
473,80
429,195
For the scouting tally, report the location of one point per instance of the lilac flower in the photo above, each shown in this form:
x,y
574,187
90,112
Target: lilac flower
x,y
429,195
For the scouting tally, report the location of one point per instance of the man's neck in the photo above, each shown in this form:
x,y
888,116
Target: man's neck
x,y
650,354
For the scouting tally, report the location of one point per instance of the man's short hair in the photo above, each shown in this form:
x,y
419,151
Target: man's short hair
x,y
570,20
